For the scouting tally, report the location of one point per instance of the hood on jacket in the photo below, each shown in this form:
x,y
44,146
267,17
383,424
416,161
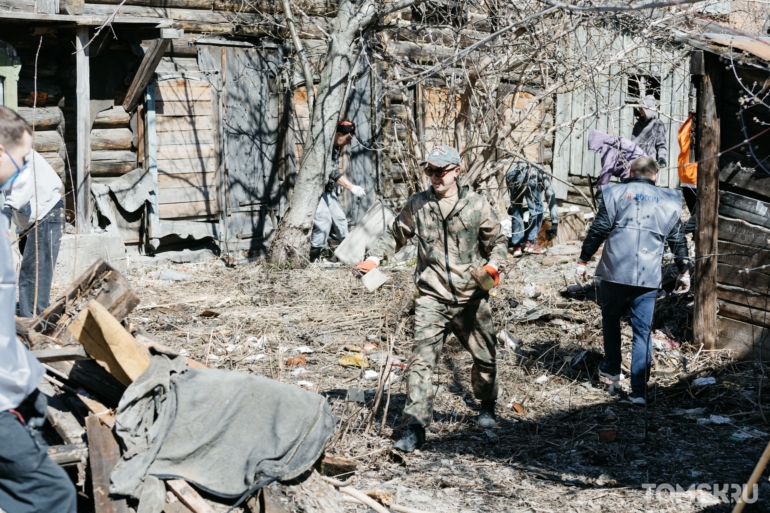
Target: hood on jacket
x,y
650,106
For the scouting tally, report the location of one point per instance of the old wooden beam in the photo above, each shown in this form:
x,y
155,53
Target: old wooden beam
x,y
68,454
103,455
60,416
83,129
62,354
708,138
189,496
144,74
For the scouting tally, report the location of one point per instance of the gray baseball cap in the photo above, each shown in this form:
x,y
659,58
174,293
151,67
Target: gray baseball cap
x,y
442,156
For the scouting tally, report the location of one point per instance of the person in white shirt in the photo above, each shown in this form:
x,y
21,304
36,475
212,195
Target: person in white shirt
x,y
34,203
30,482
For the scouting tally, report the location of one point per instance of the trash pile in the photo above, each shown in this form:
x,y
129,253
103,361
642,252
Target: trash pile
x,y
148,427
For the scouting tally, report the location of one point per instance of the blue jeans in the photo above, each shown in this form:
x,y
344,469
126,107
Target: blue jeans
x,y
614,298
47,239
29,481
519,230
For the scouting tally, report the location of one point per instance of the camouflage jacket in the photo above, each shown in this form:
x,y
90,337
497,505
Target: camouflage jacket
x,y
447,249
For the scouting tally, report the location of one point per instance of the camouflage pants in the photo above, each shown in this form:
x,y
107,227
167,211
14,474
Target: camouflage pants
x,y
472,325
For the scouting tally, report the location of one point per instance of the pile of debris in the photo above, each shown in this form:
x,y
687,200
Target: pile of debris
x,y
149,428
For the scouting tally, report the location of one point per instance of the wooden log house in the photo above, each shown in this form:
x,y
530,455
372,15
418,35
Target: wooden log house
x,y
732,276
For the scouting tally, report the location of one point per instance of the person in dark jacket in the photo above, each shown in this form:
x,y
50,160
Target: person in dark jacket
x,y
649,132
527,183
634,221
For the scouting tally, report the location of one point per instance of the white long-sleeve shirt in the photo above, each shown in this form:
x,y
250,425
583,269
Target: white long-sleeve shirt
x,y
20,372
34,193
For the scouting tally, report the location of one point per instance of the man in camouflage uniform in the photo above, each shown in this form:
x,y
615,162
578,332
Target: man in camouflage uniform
x,y
460,245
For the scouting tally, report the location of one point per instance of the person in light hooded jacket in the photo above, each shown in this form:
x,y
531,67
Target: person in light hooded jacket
x,y
30,482
649,132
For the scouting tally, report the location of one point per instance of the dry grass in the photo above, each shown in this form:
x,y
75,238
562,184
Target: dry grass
x,y
549,459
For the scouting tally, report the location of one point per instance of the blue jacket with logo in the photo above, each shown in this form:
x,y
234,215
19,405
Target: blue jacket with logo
x,y
636,219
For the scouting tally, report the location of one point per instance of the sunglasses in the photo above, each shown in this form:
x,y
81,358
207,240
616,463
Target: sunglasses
x,y
439,172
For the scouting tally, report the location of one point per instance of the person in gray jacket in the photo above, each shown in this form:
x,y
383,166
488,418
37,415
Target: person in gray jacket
x,y
634,221
649,132
35,204
329,210
30,482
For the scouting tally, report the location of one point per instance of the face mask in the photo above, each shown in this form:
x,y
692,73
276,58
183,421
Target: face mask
x,y
7,184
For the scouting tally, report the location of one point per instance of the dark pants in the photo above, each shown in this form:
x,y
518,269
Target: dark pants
x,y
614,298
29,481
691,199
47,238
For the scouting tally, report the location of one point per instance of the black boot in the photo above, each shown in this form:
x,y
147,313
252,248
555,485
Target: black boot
x,y
413,438
315,253
487,417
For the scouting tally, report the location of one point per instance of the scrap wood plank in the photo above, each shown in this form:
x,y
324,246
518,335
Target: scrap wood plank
x,y
189,496
68,454
60,416
61,354
108,342
103,455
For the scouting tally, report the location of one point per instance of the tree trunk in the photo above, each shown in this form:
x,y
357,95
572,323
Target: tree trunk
x,y
291,243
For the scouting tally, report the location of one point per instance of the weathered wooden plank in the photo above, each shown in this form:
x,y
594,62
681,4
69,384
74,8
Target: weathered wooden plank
x,y
189,496
743,313
83,129
743,257
111,139
187,91
97,381
742,339
103,455
192,137
310,7
182,123
756,280
705,275
741,232
742,296
197,108
740,207
758,182
68,454
42,118
60,416
186,151
185,195
187,165
62,354
178,64
168,181
180,210
152,57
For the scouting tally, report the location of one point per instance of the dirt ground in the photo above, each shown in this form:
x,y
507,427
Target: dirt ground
x,y
575,446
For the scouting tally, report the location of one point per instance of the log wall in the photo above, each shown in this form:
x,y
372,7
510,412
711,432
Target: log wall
x,y
743,281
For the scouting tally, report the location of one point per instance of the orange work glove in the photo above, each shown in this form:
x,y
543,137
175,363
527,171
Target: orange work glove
x,y
365,266
486,277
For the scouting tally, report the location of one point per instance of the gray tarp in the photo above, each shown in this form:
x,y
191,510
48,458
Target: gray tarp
x,y
220,430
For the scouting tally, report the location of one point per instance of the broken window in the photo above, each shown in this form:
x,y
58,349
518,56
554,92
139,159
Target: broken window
x,y
640,86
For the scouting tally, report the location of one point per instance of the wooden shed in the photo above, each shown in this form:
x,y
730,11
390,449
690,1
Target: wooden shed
x,y
732,272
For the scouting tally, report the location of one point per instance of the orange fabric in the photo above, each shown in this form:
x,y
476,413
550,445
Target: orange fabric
x,y
493,273
366,266
688,173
